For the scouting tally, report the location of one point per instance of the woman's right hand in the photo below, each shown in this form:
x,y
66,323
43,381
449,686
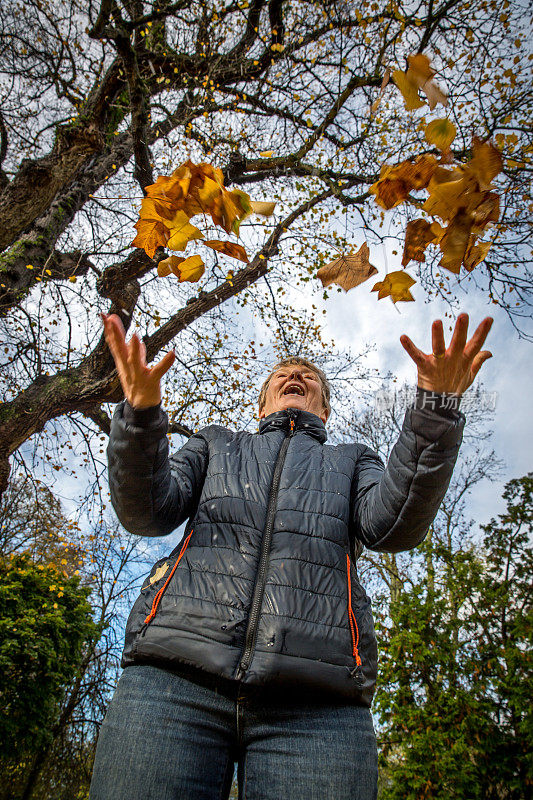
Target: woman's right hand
x,y
140,383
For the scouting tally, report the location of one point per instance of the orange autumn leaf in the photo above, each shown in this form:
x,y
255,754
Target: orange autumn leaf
x,y
396,182
231,249
348,270
150,235
395,285
168,265
171,202
418,234
186,269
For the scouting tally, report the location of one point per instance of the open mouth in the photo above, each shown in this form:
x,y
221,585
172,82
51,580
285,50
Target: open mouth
x,y
294,388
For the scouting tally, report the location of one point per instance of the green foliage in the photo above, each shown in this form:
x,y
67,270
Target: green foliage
x,y
455,675
45,619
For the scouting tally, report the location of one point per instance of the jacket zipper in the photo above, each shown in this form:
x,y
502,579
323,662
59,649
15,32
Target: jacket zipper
x,y
357,672
259,589
159,595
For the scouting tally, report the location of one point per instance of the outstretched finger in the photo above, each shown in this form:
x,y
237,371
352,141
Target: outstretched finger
x,y
460,332
437,338
159,369
478,361
135,354
478,337
412,350
115,338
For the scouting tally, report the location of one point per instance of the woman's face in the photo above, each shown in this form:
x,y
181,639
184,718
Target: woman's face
x,y
294,386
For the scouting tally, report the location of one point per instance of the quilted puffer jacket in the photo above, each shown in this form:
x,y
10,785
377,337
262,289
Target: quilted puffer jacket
x,y
263,587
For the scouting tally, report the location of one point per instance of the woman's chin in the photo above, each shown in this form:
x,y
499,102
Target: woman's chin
x,y
292,401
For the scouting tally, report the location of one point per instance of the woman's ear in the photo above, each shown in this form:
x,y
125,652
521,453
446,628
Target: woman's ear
x,y
261,413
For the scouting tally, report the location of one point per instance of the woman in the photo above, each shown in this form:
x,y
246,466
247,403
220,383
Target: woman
x,y
253,642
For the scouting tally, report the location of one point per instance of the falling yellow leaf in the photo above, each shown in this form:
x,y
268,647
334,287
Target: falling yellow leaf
x,y
264,209
186,269
395,285
408,89
168,265
421,73
486,163
150,235
181,231
348,270
266,153
441,133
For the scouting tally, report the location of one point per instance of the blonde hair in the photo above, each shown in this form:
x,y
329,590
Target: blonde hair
x,y
300,362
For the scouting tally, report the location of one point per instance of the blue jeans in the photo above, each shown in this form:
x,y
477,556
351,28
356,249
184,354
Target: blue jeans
x,y
171,735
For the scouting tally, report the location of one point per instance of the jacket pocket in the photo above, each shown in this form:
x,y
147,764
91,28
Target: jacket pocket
x,y
160,593
356,672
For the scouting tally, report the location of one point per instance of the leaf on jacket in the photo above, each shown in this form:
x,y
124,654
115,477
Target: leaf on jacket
x,y
159,573
395,285
348,270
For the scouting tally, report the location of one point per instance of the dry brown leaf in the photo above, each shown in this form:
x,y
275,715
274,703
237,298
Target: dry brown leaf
x,y
455,241
475,253
231,249
395,285
348,270
418,234
396,182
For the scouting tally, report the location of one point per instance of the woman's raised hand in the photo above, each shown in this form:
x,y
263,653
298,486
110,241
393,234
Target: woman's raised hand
x,y
140,383
450,369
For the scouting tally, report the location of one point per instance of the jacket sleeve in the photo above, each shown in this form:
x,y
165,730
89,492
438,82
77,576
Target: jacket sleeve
x,y
151,493
394,506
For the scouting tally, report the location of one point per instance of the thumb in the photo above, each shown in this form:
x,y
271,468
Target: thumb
x,y
162,366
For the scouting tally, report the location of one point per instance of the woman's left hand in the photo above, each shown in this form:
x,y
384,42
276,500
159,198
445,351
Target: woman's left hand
x,y
450,370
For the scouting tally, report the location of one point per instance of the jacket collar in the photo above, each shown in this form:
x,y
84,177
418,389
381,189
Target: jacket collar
x,y
303,421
